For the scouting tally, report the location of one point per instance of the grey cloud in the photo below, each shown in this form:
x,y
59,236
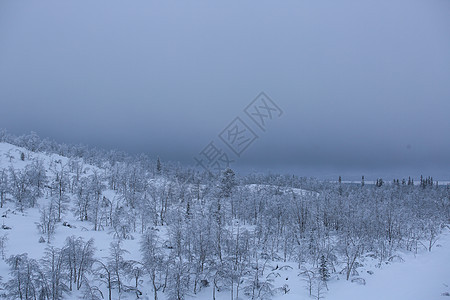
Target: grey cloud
x,y
364,86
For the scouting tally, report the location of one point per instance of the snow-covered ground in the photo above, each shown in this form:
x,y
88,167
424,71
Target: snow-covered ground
x,y
425,276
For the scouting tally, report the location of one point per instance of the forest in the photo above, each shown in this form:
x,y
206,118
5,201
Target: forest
x,y
231,234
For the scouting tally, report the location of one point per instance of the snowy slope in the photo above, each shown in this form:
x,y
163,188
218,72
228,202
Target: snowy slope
x,y
424,277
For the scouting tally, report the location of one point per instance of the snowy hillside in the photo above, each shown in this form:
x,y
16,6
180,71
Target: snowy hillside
x,y
129,228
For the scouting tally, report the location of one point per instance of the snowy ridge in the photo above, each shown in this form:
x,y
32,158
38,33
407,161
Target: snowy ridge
x,y
284,190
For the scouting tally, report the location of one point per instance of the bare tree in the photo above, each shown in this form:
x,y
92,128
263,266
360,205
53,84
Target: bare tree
x,y
4,187
310,277
3,241
153,259
48,220
78,258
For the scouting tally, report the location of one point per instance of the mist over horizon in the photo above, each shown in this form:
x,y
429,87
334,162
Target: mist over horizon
x,y
321,172
363,86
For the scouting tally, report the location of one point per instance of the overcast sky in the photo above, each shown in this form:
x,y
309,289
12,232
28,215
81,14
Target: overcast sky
x,y
364,86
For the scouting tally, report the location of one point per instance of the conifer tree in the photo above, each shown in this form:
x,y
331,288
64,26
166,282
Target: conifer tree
x,y
323,269
158,166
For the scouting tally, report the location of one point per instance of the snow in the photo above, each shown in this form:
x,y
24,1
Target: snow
x,y
422,276
297,191
426,276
